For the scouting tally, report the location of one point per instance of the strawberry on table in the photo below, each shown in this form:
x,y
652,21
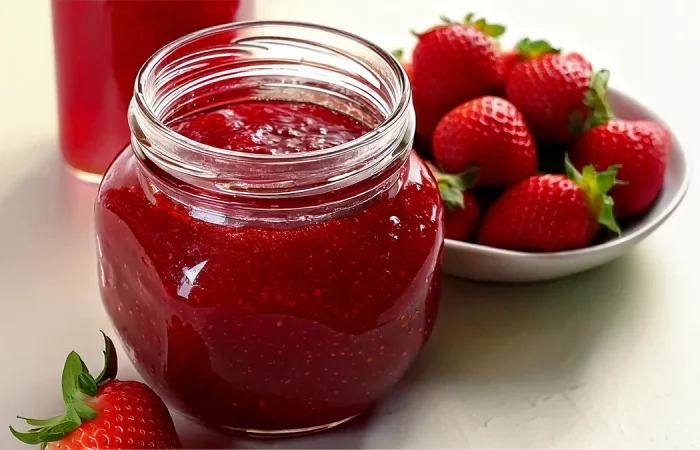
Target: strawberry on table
x,y
103,413
640,147
461,208
488,132
548,88
548,213
454,63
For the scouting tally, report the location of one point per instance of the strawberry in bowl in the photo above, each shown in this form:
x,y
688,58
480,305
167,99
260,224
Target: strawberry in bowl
x,y
522,238
543,171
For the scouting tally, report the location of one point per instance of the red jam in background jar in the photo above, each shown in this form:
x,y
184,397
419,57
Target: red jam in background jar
x,y
272,266
100,46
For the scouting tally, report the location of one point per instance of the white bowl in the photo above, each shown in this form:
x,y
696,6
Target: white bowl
x,y
480,263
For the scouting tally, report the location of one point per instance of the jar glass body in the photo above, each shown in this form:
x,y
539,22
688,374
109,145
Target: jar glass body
x,y
99,47
270,305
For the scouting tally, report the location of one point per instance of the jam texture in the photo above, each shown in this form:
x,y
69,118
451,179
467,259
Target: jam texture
x,y
100,46
271,127
268,327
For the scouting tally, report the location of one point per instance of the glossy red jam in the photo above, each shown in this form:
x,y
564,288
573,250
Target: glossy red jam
x,y
271,127
270,327
100,46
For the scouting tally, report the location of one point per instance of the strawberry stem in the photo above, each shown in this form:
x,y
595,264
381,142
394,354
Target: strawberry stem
x,y
42,422
109,370
452,187
77,386
596,99
446,20
489,29
596,185
528,49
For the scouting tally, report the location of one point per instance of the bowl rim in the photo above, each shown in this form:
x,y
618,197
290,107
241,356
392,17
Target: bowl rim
x,y
648,226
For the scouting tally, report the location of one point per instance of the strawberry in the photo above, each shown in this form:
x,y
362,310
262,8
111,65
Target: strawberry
x,y
453,63
103,413
461,208
508,60
407,65
462,220
640,147
488,132
548,88
549,213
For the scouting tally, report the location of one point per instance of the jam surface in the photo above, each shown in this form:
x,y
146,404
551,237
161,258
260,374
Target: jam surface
x,y
271,127
267,328
100,46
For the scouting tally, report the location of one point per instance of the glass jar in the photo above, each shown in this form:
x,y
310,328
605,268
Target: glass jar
x,y
272,294
100,46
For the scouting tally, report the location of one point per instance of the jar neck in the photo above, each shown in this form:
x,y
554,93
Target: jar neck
x,y
265,61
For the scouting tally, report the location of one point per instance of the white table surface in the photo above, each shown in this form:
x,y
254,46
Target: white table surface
x,y
607,359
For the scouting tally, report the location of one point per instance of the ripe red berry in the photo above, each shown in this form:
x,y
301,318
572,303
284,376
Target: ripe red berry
x,y
488,132
639,147
548,213
548,88
461,209
103,413
454,63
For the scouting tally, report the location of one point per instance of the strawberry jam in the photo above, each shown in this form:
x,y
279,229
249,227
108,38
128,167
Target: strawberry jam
x,y
271,127
254,306
100,46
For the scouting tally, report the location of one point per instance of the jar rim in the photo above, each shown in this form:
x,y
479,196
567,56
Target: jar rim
x,y
259,60
374,134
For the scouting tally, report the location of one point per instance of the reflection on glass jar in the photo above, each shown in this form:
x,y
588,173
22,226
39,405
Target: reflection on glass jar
x,y
100,46
280,278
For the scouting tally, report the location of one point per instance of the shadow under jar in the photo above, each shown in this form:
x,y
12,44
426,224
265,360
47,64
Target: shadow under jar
x,y
285,283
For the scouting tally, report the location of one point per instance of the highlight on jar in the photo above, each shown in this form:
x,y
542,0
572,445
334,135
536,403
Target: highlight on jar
x,y
99,47
269,245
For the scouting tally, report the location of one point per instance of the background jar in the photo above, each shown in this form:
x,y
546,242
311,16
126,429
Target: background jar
x,y
100,46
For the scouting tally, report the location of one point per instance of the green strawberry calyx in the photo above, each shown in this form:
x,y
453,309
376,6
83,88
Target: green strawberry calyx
x,y
597,111
452,187
489,29
398,54
79,387
596,185
529,49
596,100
